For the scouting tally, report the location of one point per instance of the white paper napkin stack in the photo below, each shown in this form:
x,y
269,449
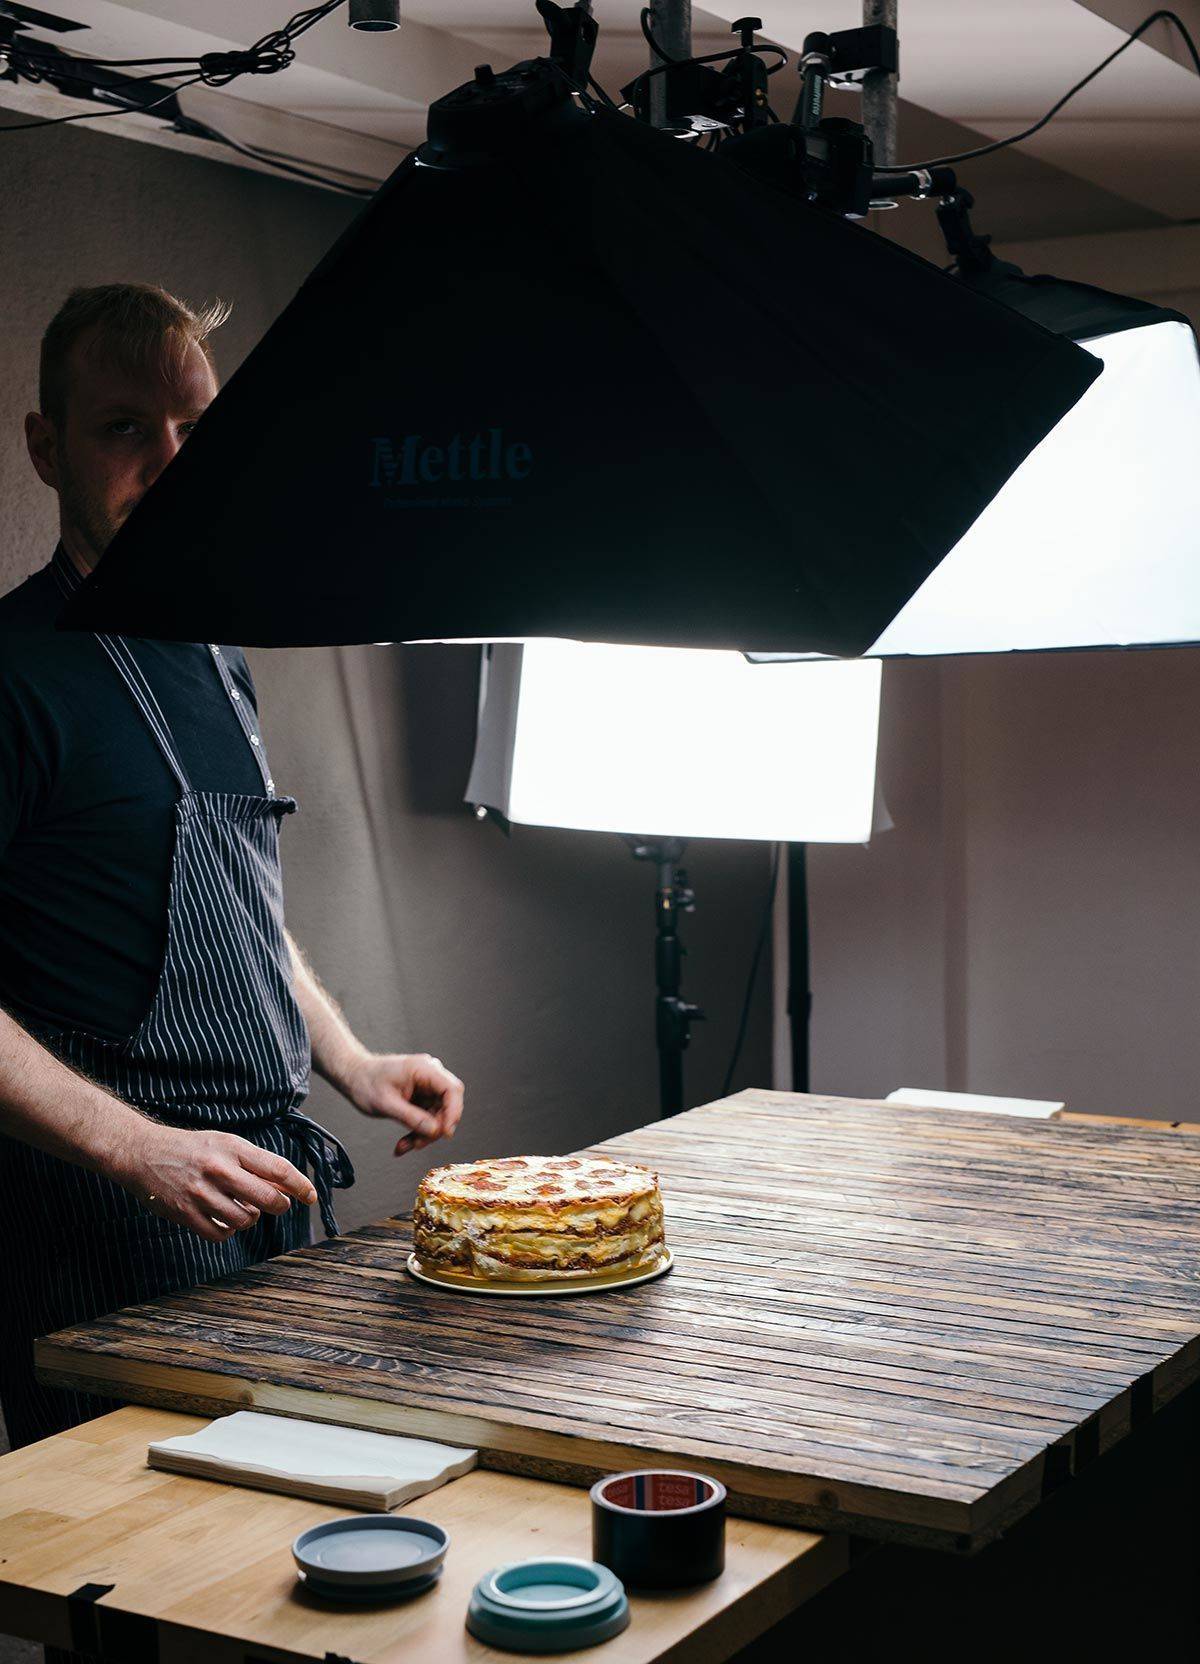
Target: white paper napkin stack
x,y
374,1471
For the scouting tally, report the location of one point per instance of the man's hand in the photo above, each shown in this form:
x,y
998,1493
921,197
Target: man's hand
x,y
413,1088
214,1182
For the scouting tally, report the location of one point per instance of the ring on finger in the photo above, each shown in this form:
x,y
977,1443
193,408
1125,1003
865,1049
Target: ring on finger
x,y
221,1224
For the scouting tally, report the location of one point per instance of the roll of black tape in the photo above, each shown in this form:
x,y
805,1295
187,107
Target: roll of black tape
x,y
659,1528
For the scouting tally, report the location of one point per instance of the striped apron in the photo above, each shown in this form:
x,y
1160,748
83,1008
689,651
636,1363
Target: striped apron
x,y
224,1045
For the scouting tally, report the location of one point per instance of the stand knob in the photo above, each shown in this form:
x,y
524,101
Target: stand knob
x,y
674,1019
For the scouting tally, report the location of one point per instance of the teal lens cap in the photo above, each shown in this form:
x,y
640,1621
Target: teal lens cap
x,y
547,1604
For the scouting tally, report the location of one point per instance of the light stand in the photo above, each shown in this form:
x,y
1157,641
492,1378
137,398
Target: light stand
x,y
673,1016
671,21
879,99
799,993
879,86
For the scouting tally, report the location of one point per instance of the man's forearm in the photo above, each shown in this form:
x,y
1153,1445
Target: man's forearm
x,y
413,1088
337,1055
43,1102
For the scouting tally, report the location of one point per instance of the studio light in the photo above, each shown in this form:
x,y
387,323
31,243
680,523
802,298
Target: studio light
x,y
1093,541
667,744
567,376
570,735
374,15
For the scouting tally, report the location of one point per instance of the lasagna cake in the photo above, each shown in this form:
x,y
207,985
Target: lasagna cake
x,y
538,1218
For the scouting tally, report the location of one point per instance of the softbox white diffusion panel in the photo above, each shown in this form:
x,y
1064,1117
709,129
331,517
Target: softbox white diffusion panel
x,y
1095,540
677,742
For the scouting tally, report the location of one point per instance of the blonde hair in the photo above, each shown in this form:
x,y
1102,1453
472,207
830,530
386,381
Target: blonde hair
x,y
138,323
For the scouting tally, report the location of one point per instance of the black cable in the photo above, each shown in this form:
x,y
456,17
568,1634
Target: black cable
x,y
271,53
579,87
763,931
720,57
31,48
62,69
601,94
98,115
644,20
1017,138
62,72
265,154
280,159
666,63
273,159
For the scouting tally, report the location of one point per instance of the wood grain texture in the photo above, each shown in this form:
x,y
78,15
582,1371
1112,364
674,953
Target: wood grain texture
x,y
202,1572
908,1323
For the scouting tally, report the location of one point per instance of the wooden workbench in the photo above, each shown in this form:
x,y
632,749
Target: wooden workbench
x,y
102,1553
908,1324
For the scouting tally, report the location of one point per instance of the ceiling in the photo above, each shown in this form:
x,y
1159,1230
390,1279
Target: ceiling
x,y
1124,155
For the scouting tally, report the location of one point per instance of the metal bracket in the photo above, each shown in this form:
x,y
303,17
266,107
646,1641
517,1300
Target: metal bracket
x,y
108,1632
853,53
81,1615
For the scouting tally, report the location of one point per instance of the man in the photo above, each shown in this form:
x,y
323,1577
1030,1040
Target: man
x,y
158,1021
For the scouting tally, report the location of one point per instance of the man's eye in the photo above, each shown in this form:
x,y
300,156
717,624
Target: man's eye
x,y
122,428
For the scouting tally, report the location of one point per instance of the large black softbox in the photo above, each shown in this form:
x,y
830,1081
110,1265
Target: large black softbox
x,y
579,379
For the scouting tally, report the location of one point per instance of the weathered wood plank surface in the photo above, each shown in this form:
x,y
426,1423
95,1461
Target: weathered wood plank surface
x,y
905,1322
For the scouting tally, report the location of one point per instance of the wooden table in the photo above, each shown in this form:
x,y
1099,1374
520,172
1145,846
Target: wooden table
x,y
188,1571
908,1324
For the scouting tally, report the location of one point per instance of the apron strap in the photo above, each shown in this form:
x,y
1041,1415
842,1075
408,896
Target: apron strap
x,y
131,674
69,580
330,1161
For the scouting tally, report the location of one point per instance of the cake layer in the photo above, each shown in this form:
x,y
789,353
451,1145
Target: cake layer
x,y
532,1248
579,1220
463,1256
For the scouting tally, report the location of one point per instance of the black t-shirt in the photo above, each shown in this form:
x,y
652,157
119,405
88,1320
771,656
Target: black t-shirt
x,y
87,805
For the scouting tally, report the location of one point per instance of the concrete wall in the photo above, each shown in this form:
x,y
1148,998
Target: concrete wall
x,y
527,964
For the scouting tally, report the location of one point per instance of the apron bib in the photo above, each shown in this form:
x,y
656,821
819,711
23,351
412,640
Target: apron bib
x,y
224,1045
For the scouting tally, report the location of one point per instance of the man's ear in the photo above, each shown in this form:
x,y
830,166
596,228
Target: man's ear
x,y
41,437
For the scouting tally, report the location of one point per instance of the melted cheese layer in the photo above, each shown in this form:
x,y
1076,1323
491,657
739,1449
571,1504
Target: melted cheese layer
x,y
479,1219
533,1181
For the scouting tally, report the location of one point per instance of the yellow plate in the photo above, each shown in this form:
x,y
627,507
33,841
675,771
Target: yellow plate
x,y
594,1283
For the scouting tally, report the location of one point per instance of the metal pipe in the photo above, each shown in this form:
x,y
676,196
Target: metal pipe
x,y
879,90
671,26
